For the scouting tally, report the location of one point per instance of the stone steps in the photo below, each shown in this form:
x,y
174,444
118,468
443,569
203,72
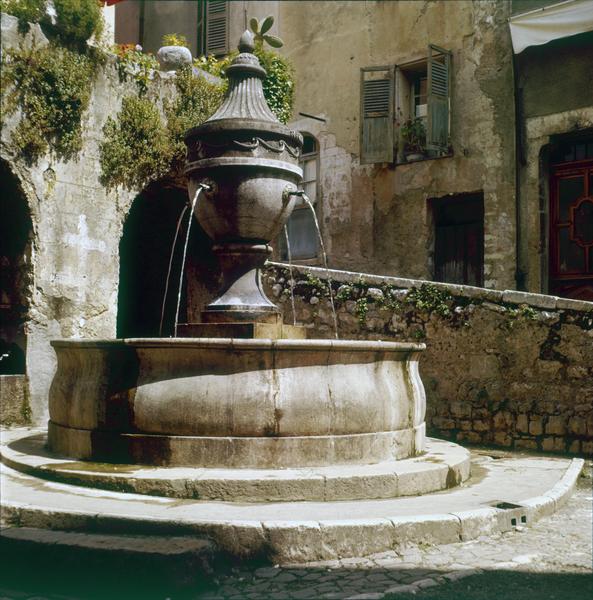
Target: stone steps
x,y
501,494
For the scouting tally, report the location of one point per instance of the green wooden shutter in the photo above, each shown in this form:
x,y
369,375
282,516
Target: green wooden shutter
x,y
216,27
376,114
439,93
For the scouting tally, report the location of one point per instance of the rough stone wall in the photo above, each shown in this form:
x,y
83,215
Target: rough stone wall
x,y
77,225
376,217
501,367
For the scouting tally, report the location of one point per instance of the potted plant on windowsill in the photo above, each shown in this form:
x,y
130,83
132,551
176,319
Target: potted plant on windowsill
x,y
413,134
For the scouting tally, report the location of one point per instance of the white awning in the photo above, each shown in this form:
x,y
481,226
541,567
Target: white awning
x,y
549,23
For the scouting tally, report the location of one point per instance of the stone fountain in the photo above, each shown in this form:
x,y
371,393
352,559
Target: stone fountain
x,y
244,391
268,443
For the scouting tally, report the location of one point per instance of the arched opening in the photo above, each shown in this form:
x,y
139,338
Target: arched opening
x,y
145,250
15,272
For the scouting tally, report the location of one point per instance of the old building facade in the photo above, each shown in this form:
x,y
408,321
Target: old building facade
x,y
433,150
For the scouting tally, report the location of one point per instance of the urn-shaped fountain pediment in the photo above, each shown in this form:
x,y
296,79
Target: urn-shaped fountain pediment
x,y
248,163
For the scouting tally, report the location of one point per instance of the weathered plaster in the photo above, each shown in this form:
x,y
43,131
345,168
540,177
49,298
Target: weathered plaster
x,y
376,218
77,224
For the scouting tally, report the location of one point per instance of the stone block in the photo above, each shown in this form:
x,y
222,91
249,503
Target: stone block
x,y
536,426
433,529
522,423
556,425
539,300
569,304
527,443
475,523
14,400
502,439
575,447
502,420
296,542
460,409
481,425
357,537
577,426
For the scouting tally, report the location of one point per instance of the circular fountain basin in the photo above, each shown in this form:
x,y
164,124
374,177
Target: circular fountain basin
x,y
237,403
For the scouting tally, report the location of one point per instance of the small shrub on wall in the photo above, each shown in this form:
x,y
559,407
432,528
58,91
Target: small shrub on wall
x,y
52,88
141,146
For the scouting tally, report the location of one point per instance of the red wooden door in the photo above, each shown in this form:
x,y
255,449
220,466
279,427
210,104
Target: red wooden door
x,y
571,230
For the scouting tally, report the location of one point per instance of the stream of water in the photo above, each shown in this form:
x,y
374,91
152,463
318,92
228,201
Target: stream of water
x,y
324,255
291,283
169,269
189,222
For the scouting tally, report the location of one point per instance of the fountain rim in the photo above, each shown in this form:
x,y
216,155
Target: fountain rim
x,y
245,344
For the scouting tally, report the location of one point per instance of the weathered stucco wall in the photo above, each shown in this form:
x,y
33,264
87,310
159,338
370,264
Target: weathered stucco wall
x,y
500,367
77,225
376,217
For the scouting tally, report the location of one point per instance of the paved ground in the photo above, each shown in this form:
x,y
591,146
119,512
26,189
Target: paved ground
x,y
552,559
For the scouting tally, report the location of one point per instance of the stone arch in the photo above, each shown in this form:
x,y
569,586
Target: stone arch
x,y
16,271
144,250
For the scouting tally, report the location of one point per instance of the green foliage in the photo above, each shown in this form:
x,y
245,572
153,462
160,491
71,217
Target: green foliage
x,y
174,39
414,135
523,312
261,35
196,100
135,64
430,299
52,88
361,308
278,85
77,21
141,146
135,149
28,11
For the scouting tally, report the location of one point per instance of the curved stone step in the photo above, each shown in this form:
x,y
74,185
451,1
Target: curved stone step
x,y
500,494
443,466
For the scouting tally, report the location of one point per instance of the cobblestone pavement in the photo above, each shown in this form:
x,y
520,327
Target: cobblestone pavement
x,y
560,543
557,544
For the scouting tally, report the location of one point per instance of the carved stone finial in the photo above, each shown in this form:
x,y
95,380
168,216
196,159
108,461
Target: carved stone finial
x,y
247,42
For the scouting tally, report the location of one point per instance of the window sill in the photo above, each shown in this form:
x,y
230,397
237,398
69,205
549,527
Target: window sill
x,y
422,159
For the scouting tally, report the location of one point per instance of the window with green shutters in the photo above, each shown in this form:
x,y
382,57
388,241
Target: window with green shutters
x,y
395,97
438,98
377,114
213,27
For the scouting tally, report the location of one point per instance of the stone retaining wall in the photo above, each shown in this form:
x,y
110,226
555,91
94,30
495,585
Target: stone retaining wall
x,y
501,367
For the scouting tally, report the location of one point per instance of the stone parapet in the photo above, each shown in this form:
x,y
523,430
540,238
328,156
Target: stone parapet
x,y
503,368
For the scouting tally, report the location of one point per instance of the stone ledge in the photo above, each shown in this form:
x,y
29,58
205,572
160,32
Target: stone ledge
x,y
467,291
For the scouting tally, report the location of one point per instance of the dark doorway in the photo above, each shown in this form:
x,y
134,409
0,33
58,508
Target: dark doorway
x,y
459,239
15,272
571,220
145,250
